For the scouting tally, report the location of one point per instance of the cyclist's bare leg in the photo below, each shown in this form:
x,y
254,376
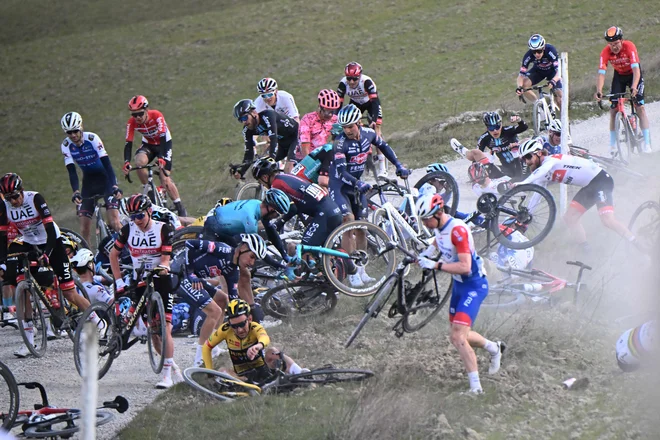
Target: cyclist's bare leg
x,y
245,286
141,160
643,118
73,297
459,339
612,223
86,227
8,292
213,314
612,117
289,166
529,95
476,155
558,97
572,220
168,184
112,216
348,239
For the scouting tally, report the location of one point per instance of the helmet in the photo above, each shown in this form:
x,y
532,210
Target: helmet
x,y
278,200
236,308
67,242
429,204
11,182
255,243
435,167
264,167
492,119
267,85
223,201
82,258
137,103
329,99
243,107
536,42
530,146
613,34
137,203
71,121
477,173
353,69
349,115
555,125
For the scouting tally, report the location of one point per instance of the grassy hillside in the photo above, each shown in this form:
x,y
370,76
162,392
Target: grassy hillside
x,y
195,59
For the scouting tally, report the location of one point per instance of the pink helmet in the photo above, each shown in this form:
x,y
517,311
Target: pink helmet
x,y
329,99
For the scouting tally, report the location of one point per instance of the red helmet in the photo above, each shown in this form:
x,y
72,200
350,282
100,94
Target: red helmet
x,y
353,69
10,183
329,99
429,204
477,173
138,203
137,103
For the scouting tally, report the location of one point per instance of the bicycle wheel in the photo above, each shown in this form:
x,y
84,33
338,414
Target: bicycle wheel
x,y
623,138
503,297
375,305
426,303
391,193
445,185
156,332
63,425
188,233
374,259
645,222
392,229
528,209
538,117
249,191
109,339
24,291
217,384
9,398
290,300
75,237
324,376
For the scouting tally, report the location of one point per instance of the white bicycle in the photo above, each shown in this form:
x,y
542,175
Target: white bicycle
x,y
545,108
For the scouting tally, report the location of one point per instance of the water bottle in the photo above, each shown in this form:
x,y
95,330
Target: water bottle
x,y
533,287
54,301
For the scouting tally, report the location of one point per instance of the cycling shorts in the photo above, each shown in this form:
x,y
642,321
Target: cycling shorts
x,y
344,197
164,287
91,188
466,298
597,192
536,75
619,84
286,150
197,299
322,224
154,151
366,107
59,263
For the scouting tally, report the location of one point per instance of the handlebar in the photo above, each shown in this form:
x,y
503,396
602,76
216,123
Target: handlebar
x,y
579,264
143,167
119,403
538,87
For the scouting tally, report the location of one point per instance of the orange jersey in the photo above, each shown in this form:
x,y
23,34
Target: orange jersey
x,y
151,131
623,62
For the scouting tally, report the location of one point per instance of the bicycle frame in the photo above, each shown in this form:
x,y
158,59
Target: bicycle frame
x,y
158,199
549,110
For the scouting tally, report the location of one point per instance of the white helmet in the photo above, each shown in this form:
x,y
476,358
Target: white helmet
x,y
429,204
256,244
349,115
530,145
71,121
267,85
555,125
536,42
82,258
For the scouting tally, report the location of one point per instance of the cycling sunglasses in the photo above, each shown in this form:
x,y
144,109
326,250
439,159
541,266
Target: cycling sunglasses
x,y
72,131
244,118
239,325
138,216
137,114
12,196
528,156
493,127
267,95
538,51
352,78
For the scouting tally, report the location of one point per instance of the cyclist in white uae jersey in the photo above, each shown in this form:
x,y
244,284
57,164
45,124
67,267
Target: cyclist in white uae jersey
x,y
596,185
270,98
636,344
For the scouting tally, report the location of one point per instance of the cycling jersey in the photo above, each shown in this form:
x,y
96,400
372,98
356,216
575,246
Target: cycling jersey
x,y
564,168
237,347
636,344
152,131
315,131
31,219
97,292
623,62
364,95
504,147
146,246
315,164
513,258
281,130
284,104
552,149
549,60
92,159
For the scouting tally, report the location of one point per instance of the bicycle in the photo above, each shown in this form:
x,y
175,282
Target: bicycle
x,y
645,223
158,193
47,421
628,131
9,398
300,298
607,163
117,331
102,230
535,285
543,112
416,305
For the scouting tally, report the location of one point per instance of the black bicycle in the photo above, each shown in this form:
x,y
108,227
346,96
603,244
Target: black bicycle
x,y
9,398
158,193
300,298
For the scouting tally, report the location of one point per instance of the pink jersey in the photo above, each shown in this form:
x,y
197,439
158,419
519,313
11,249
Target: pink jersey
x,y
311,129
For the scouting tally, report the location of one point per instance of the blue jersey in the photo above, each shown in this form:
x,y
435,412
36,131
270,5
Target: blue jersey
x,y
552,149
209,259
548,62
240,217
91,158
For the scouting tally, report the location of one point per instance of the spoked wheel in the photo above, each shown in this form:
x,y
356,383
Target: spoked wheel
x,y
645,222
217,384
299,299
445,185
109,340
324,376
623,138
156,332
528,209
392,229
375,305
501,297
370,255
63,425
188,233
9,398
391,193
75,237
427,302
249,191
24,293
538,117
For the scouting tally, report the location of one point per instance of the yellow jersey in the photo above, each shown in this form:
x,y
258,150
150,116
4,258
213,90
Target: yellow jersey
x,y
237,347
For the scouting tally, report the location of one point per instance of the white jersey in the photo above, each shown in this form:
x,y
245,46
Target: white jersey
x,y
491,188
637,343
513,258
31,220
97,292
146,247
362,92
285,104
564,168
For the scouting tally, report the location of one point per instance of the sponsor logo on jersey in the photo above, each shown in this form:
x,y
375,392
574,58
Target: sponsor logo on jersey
x,y
359,158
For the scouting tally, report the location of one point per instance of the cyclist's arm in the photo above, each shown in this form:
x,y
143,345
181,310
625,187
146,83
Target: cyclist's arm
x,y
47,220
483,142
216,337
370,88
602,70
73,177
274,238
538,175
120,242
293,211
110,173
634,65
162,133
521,127
248,155
522,74
341,166
166,234
552,53
262,335
341,91
269,118
304,135
130,133
4,227
292,108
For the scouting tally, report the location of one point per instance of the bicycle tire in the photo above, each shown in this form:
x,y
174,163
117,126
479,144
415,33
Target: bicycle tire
x,y
198,378
108,340
283,302
72,312
649,230
375,305
432,305
44,428
324,376
74,236
607,163
451,193
622,144
249,191
10,398
38,319
501,297
372,257
538,117
186,233
525,216
391,194
156,327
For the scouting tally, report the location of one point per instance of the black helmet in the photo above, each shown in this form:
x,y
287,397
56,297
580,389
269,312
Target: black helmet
x,y
138,203
11,183
243,107
264,167
614,33
492,119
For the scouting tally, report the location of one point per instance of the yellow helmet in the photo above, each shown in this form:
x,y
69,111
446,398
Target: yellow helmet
x,y
66,241
237,307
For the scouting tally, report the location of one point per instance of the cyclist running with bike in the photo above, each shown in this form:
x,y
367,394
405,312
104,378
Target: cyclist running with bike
x,y
545,65
156,143
270,98
86,149
458,257
623,56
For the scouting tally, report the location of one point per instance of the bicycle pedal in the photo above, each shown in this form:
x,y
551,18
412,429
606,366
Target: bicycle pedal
x,y
393,311
143,340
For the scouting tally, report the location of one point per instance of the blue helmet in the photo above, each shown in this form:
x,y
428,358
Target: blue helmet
x,y
435,167
278,200
536,42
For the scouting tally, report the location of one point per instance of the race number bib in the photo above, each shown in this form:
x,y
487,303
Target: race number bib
x,y
316,192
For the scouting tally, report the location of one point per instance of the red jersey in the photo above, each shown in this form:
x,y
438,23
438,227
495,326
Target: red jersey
x,y
623,62
151,131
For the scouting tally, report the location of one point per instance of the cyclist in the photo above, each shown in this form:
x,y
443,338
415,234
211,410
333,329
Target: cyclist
x,y
86,149
281,130
622,54
503,142
150,243
552,142
83,264
30,214
315,127
315,167
270,98
156,143
545,65
454,243
636,345
203,261
596,185
247,342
